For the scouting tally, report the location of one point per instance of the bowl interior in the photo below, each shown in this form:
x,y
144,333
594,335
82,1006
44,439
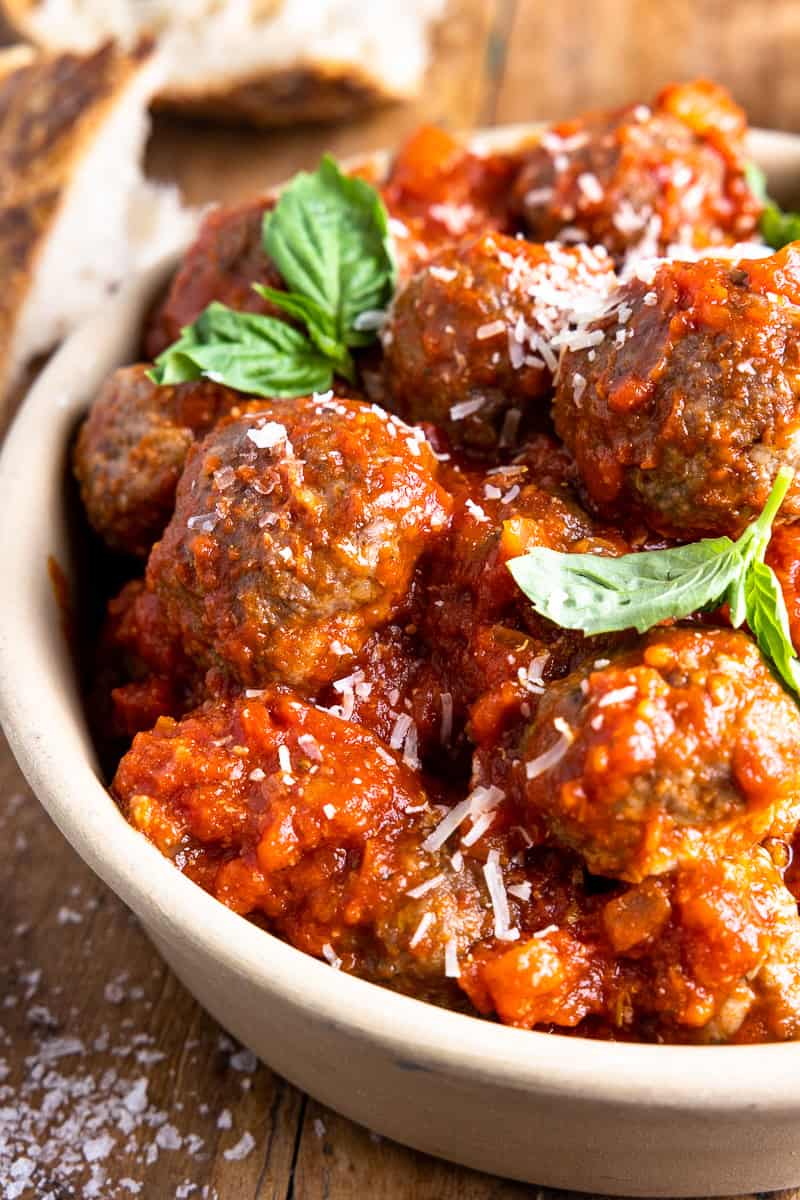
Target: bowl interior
x,y
42,713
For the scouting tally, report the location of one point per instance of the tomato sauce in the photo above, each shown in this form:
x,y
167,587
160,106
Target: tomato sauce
x,y
338,713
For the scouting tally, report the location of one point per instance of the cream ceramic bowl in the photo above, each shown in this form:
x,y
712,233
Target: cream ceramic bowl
x,y
565,1112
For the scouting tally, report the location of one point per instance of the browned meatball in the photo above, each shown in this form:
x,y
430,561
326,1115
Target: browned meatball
x,y
468,344
438,191
673,173
278,807
689,401
132,448
683,746
223,263
295,535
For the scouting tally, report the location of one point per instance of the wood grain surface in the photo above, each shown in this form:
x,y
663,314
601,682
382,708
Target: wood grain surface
x,y
76,971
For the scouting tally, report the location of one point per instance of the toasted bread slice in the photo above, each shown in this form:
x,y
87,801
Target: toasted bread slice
x,y
76,215
264,62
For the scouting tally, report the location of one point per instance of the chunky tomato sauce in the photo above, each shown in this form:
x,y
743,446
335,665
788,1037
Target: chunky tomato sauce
x,y
331,705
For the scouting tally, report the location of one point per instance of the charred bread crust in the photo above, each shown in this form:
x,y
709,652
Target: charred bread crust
x,y
50,109
306,92
315,90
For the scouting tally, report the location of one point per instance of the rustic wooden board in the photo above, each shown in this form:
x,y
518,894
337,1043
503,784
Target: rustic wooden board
x,y
73,963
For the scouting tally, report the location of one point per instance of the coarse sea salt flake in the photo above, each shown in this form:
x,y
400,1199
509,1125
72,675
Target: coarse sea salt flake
x,y
242,1149
476,511
267,436
310,746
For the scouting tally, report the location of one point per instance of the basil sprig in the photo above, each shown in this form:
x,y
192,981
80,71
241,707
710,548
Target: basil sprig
x,y
637,591
248,352
328,235
777,227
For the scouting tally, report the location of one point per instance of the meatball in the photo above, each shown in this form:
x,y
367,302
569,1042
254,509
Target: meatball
x,y
707,953
688,401
641,176
295,535
140,667
712,948
223,263
467,346
132,448
481,632
282,809
683,746
438,192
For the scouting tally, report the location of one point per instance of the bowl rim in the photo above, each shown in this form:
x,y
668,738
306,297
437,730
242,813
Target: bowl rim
x,y
416,1034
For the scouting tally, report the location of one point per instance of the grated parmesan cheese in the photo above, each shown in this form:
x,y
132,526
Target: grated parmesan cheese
x,y
423,927
422,888
493,875
466,408
331,957
548,759
451,967
489,330
618,696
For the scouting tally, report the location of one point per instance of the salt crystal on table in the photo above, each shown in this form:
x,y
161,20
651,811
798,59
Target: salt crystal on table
x,y
136,1099
168,1138
242,1148
95,1149
225,1120
68,916
244,1060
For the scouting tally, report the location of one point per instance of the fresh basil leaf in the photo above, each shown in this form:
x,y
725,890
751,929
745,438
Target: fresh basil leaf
x,y
634,591
251,353
777,227
329,237
757,182
320,325
769,623
752,545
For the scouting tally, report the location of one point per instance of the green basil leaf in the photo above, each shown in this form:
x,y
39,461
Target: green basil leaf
x,y
251,353
777,227
769,623
328,235
320,325
634,591
757,182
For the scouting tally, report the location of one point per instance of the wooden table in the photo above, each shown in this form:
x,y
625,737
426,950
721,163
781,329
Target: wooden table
x,y
74,964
